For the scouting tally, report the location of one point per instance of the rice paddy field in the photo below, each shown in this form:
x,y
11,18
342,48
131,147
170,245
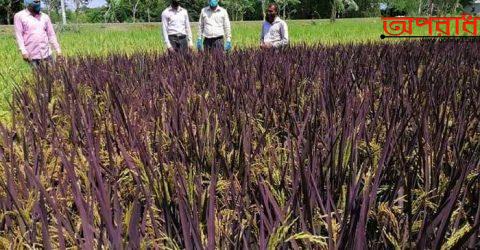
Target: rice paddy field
x,y
340,141
105,39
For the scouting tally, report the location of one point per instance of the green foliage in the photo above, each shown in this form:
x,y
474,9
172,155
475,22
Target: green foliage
x,y
287,7
94,15
445,7
367,8
7,10
408,6
429,7
237,8
150,10
56,17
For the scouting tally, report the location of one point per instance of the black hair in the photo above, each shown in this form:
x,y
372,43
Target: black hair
x,y
273,5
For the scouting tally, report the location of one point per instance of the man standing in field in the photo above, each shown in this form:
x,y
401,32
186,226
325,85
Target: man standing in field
x,y
214,28
176,27
34,32
274,30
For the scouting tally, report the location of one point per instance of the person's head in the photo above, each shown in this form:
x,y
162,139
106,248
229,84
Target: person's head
x,y
33,5
213,3
272,12
175,3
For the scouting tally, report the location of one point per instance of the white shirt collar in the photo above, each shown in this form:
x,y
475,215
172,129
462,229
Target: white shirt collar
x,y
216,9
276,20
178,9
28,12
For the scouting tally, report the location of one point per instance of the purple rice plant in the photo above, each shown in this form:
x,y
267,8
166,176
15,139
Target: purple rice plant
x,y
345,147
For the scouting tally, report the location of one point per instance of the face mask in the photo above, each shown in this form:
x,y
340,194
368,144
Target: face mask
x,y
175,4
213,3
36,7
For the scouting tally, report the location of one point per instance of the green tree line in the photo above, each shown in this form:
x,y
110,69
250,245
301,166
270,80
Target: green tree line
x,y
150,10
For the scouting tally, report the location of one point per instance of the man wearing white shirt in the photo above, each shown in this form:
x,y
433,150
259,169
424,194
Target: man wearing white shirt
x,y
274,30
176,27
214,27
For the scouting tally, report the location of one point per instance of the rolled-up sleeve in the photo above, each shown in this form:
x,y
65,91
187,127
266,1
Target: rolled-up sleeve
x,y
52,37
164,30
188,29
227,27
17,22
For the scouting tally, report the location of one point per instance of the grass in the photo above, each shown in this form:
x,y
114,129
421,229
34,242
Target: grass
x,y
105,39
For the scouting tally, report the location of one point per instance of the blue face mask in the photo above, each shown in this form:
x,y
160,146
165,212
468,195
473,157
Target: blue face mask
x,y
213,3
36,7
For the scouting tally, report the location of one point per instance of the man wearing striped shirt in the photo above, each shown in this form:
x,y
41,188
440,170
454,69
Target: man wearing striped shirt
x,y
176,27
34,33
214,27
274,30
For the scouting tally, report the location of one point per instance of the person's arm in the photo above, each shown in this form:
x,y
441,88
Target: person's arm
x,y
284,36
52,37
188,29
227,28
164,30
19,35
201,25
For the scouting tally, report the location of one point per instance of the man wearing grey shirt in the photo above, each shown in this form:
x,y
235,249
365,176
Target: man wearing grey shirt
x,y
274,30
176,27
214,27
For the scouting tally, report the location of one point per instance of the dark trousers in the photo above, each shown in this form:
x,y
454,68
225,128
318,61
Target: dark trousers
x,y
213,43
178,42
35,63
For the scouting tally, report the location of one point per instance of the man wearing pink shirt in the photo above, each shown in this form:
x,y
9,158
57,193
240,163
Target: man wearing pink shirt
x,y
34,32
